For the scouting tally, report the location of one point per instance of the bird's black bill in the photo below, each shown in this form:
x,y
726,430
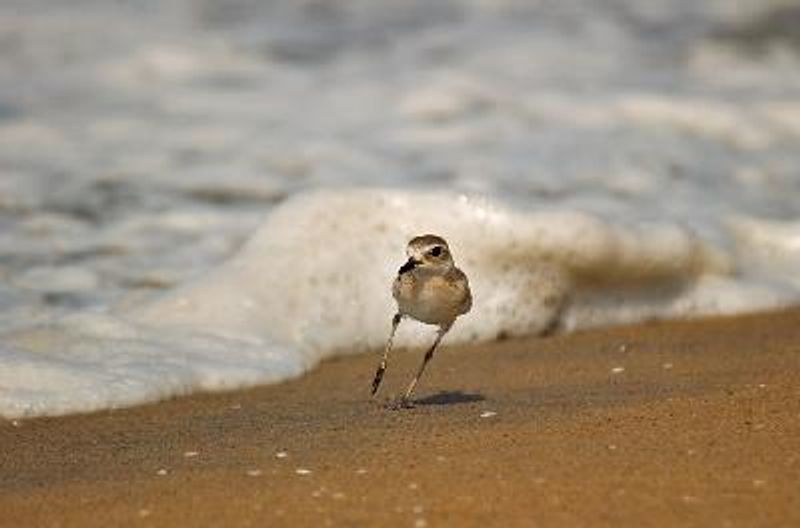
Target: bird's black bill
x,y
408,266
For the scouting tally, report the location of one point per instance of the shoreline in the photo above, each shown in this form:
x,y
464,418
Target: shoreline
x,y
670,423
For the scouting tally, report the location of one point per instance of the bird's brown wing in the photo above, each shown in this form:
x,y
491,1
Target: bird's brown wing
x,y
460,283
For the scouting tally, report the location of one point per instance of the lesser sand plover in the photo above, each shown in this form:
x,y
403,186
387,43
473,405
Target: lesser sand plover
x,y
431,289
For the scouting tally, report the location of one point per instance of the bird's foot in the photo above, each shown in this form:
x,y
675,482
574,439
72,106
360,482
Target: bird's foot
x,y
401,404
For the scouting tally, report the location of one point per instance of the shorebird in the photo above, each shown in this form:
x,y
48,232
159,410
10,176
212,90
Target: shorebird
x,y
431,289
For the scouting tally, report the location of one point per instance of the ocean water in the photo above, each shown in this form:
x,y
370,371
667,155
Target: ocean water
x,y
204,195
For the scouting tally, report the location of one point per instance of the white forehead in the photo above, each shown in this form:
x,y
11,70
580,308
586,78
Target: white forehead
x,y
426,241
424,246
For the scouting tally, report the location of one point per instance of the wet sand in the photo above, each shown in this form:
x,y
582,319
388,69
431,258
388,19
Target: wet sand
x,y
668,424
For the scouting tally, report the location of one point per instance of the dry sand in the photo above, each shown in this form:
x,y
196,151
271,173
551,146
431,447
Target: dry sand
x,y
673,424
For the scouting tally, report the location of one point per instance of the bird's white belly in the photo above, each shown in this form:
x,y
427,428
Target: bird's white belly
x,y
432,313
429,303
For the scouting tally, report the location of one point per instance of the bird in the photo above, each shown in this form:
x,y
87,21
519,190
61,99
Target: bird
x,y
430,289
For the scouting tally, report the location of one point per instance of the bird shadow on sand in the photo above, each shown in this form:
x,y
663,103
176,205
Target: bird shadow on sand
x,y
450,398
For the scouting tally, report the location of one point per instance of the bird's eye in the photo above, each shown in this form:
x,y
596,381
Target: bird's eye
x,y
436,251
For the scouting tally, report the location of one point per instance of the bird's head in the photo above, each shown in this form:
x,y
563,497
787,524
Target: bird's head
x,y
428,251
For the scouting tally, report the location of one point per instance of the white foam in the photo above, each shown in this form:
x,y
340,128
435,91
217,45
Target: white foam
x,y
93,361
314,281
316,274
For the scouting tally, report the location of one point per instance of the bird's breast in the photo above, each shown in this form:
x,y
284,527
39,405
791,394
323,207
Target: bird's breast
x,y
432,299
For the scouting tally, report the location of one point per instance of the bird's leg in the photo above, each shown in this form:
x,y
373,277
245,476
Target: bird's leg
x,y
376,382
406,401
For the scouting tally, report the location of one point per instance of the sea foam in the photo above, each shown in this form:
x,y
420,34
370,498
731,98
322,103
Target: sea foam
x,y
314,281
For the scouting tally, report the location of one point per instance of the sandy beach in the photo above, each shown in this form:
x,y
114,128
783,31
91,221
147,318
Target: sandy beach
x,y
663,424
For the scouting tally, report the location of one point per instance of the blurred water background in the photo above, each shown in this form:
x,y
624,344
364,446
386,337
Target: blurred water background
x,y
626,160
